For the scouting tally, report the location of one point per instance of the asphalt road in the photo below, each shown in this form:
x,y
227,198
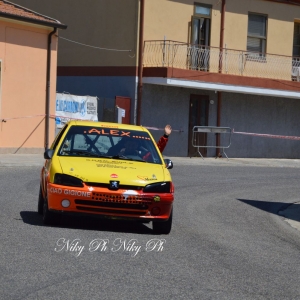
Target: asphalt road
x,y
227,241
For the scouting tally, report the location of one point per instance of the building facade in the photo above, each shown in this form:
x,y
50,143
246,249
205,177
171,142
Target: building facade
x,y
228,63
27,79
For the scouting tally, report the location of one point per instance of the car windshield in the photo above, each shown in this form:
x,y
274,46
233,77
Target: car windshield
x,y
111,143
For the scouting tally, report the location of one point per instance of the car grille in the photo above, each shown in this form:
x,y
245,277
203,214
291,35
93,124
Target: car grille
x,y
111,207
107,206
122,186
119,212
118,198
115,204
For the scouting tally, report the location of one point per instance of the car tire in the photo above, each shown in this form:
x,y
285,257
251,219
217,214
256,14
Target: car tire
x,y
40,202
49,218
163,227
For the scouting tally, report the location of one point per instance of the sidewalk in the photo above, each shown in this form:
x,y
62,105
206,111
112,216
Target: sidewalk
x,y
19,160
291,214
14,160
263,162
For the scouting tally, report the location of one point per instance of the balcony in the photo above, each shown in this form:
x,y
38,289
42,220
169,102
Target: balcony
x,y
172,54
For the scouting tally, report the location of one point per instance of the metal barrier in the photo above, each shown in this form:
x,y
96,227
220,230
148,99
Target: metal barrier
x,y
197,137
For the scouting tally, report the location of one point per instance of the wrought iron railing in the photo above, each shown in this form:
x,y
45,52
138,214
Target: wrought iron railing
x,y
228,61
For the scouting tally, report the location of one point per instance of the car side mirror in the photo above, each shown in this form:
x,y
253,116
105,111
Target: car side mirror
x,y
168,163
48,154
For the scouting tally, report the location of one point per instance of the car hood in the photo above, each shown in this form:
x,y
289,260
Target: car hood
x,y
103,170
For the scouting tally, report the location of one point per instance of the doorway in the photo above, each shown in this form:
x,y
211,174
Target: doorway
x,y
198,116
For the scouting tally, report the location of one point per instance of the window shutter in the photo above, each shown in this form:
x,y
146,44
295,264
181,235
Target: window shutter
x,y
257,25
296,42
257,28
253,44
297,34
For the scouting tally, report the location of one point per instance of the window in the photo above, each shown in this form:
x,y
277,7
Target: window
x,y
257,35
200,38
87,141
201,25
202,10
296,53
296,43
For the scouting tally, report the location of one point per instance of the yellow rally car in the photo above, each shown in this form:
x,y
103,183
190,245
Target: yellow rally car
x,y
107,169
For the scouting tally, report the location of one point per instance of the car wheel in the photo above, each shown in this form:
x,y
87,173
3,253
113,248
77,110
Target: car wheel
x,y
40,202
49,218
163,227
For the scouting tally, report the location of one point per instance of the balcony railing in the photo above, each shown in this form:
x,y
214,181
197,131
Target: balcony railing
x,y
210,59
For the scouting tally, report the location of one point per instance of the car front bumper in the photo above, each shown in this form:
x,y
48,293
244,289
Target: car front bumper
x,y
127,204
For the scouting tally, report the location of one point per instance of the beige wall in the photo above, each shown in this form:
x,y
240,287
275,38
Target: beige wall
x,y
171,18
280,24
102,23
23,55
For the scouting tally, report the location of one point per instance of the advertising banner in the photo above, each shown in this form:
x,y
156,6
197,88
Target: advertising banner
x,y
72,107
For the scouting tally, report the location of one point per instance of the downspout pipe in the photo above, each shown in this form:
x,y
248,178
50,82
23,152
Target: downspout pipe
x,y
47,104
140,66
219,108
222,32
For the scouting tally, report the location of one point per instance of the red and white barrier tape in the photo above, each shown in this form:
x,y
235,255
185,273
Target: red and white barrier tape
x,y
24,117
155,128
272,136
286,137
54,116
33,116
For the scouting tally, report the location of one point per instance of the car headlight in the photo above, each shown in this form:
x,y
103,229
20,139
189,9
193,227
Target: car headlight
x,y
158,187
67,180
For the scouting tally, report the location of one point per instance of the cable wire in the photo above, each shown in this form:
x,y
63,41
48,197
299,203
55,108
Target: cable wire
x,y
95,47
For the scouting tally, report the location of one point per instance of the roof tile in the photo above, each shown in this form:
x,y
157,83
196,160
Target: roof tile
x,y
7,7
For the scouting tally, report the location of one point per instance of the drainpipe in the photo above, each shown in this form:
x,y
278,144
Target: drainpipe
x,y
222,32
140,66
218,142
47,108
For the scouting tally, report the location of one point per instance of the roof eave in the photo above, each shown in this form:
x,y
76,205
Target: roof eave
x,y
33,21
290,2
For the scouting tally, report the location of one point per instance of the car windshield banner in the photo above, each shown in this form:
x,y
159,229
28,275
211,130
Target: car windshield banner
x,y
72,107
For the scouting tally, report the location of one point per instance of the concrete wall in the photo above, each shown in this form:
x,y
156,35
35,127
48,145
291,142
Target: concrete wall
x,y
259,114
245,113
166,105
102,23
23,56
110,24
